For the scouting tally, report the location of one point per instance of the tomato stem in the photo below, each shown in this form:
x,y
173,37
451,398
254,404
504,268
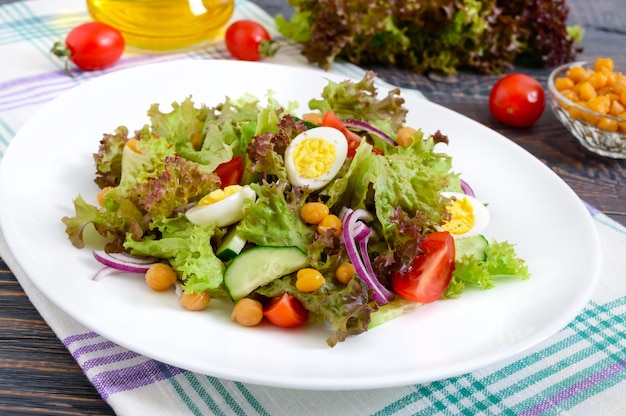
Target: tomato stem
x,y
60,50
268,48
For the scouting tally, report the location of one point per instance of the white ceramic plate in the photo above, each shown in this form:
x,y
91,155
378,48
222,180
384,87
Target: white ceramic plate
x,y
50,162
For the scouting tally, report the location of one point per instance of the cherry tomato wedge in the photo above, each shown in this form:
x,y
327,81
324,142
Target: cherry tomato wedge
x,y
286,311
330,119
430,273
91,46
230,172
517,100
248,40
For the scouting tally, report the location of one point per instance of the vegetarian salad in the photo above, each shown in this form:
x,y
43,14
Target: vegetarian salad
x,y
341,215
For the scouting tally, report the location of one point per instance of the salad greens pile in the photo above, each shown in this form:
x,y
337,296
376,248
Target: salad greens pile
x,y
158,172
441,36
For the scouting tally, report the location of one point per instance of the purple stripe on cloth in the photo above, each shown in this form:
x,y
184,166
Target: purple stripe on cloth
x,y
35,98
79,337
50,84
592,210
130,378
110,359
15,94
575,389
37,80
105,345
85,349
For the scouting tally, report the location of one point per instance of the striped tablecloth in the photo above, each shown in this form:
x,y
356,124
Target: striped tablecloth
x,y
579,371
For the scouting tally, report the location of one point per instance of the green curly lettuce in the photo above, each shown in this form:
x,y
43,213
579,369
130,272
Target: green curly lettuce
x,y
186,247
500,261
153,182
359,100
113,225
108,159
406,178
274,220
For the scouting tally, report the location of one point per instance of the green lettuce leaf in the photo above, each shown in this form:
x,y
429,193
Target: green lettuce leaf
x,y
187,248
108,159
409,179
360,101
274,220
157,180
181,127
501,261
113,224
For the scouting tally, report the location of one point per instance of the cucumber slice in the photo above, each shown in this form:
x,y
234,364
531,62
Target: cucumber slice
x,y
259,266
390,311
471,246
231,246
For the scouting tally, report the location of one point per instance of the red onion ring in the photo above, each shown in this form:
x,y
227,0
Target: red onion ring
x,y
122,262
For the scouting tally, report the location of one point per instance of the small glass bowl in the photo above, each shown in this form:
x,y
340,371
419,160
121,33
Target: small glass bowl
x,y
583,122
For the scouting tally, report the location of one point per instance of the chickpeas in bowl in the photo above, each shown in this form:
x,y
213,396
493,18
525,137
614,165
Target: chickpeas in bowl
x,y
590,100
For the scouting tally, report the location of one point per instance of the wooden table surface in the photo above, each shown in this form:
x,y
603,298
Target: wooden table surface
x,y
37,374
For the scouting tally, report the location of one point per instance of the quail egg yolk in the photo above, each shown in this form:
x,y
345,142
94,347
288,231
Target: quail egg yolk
x,y
222,207
462,217
313,157
219,195
467,215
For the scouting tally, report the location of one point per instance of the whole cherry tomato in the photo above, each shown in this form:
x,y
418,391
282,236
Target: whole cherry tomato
x,y
91,46
517,100
248,40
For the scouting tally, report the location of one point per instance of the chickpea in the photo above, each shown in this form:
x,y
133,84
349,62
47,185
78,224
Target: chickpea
x,y
160,276
102,194
563,84
132,145
196,140
309,280
314,212
405,136
608,124
345,272
587,91
616,108
330,222
597,80
247,312
577,74
603,64
194,301
313,118
600,104
599,89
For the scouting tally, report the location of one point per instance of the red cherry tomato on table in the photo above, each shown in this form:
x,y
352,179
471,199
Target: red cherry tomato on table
x,y
248,40
91,46
286,311
517,100
430,273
